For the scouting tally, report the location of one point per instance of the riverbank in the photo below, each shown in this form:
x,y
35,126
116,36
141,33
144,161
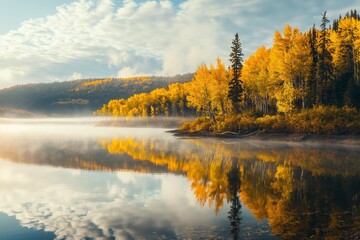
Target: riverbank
x,y
345,139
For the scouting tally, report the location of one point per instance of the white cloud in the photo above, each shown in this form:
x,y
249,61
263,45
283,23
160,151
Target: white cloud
x,y
127,72
10,74
152,37
75,76
134,38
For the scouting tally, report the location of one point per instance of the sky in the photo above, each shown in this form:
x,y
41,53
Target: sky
x,y
59,40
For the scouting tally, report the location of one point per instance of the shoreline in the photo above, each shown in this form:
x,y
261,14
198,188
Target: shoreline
x,y
345,139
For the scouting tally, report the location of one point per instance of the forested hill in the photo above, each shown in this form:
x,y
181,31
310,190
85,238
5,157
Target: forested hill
x,y
80,96
16,113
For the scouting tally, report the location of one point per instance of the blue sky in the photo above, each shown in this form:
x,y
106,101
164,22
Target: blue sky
x,y
45,41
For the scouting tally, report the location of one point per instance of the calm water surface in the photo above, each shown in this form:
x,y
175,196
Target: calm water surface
x,y
77,181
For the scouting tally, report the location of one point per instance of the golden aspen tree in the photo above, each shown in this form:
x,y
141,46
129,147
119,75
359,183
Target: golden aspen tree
x,y
249,76
285,99
284,91
200,95
175,95
299,63
256,79
219,90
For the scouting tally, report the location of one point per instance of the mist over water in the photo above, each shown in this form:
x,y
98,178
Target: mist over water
x,y
84,127
65,120
78,180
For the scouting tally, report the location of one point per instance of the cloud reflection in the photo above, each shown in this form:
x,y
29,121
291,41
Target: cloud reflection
x,y
99,205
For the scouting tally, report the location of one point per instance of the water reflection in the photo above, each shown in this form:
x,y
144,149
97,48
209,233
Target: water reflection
x,y
234,178
303,192
300,191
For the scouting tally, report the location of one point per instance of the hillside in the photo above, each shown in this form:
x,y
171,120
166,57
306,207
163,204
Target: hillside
x,y
16,113
79,96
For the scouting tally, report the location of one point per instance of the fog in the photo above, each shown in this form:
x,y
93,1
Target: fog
x,y
50,120
99,127
148,122
63,141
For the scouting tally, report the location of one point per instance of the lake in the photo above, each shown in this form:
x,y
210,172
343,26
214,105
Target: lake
x,y
67,179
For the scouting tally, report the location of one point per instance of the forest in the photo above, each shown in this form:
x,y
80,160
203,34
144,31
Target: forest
x,y
76,97
306,82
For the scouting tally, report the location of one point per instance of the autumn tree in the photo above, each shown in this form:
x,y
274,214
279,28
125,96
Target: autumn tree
x,y
235,85
207,92
276,66
221,76
257,86
279,73
299,62
177,97
200,92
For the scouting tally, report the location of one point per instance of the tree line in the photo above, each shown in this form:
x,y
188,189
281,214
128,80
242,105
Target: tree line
x,y
301,71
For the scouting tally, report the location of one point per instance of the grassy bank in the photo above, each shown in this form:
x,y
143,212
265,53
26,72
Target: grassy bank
x,y
318,120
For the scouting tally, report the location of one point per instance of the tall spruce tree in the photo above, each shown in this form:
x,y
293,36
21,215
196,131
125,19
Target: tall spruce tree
x,y
314,55
235,84
325,85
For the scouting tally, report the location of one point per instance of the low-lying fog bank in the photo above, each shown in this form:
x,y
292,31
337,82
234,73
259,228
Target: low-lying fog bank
x,y
151,122
54,120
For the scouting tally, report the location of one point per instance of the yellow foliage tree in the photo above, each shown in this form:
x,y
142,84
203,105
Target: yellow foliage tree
x,y
255,75
208,90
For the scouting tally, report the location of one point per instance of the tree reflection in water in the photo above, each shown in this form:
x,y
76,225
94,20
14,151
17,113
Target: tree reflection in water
x,y
302,192
234,178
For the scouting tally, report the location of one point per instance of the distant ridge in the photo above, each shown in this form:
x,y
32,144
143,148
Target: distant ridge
x,y
79,97
16,113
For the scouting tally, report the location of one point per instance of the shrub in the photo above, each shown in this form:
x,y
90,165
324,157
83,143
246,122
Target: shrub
x,y
236,123
318,120
228,123
248,124
325,120
266,122
185,126
199,124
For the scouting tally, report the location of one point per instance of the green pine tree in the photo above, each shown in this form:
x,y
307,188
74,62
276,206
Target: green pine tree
x,y
235,85
325,85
